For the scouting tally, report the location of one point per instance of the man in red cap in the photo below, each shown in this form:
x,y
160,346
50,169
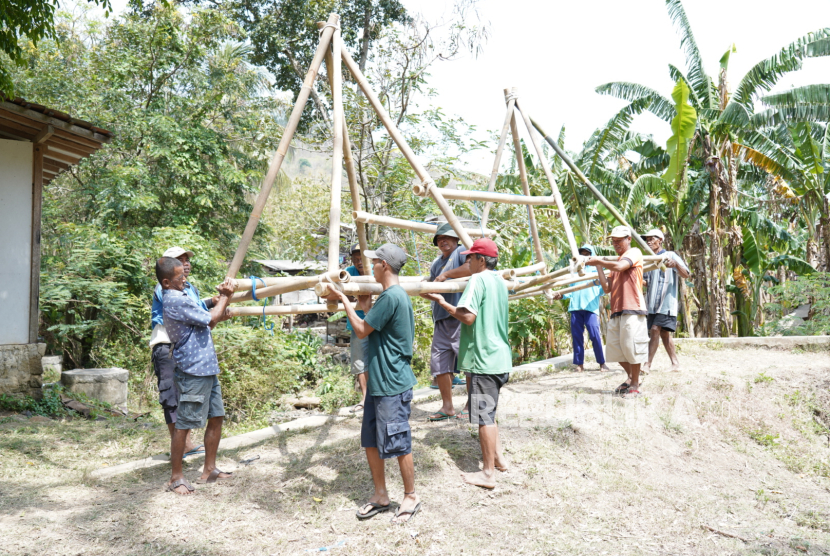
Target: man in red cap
x,y
484,352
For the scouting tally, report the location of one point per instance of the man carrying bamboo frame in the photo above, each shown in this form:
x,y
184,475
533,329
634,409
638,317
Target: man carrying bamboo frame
x,y
484,352
389,329
446,330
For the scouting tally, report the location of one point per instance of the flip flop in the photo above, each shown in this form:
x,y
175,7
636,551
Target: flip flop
x,y
434,386
458,382
622,389
439,416
214,476
355,409
463,414
631,394
200,449
411,514
177,483
376,509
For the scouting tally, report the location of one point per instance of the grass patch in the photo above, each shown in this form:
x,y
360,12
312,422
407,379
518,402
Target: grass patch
x,y
763,437
763,378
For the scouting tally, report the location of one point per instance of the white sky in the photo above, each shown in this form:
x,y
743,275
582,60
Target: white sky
x,y
557,52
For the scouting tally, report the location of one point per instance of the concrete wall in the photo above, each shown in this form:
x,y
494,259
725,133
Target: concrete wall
x,y
21,370
16,160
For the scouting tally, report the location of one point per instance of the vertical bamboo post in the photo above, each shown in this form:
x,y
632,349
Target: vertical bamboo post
x,y
285,142
495,173
510,97
336,80
351,173
405,149
566,223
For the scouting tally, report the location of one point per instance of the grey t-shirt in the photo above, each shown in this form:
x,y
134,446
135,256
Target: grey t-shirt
x,y
439,265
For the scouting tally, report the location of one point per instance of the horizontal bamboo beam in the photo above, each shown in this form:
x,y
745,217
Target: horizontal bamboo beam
x,y
367,218
244,284
525,270
411,288
486,196
285,310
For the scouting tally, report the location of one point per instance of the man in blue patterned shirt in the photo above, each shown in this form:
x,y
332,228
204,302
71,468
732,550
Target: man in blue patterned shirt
x,y
188,326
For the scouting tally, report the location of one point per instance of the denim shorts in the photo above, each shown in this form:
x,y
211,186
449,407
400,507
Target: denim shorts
x,y
200,399
386,424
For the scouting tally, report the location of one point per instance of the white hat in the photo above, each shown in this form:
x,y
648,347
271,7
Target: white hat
x,y
654,233
176,252
621,231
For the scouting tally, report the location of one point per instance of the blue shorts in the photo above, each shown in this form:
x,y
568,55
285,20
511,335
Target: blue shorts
x,y
200,399
386,424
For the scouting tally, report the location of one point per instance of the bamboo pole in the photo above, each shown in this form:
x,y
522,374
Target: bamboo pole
x,y
336,81
371,279
536,280
563,215
592,188
351,173
365,217
475,195
525,270
285,142
411,288
491,186
244,284
396,135
284,310
525,295
298,283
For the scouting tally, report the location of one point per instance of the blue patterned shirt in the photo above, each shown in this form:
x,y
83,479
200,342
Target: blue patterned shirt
x,y
188,326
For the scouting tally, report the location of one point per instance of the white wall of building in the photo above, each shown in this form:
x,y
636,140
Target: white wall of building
x,y
16,161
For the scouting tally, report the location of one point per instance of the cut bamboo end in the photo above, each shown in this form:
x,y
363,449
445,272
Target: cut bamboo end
x,y
419,190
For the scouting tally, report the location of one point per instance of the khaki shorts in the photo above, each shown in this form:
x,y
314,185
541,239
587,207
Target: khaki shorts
x,y
627,339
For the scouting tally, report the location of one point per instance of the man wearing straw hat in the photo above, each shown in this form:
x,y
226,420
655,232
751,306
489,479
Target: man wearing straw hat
x,y
661,299
484,352
445,335
389,329
584,310
627,338
164,365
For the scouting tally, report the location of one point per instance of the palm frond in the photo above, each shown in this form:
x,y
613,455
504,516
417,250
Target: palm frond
x,y
819,48
774,117
818,93
677,75
660,106
767,154
698,79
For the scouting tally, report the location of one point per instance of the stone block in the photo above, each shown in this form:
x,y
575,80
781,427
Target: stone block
x,y
106,385
20,368
52,363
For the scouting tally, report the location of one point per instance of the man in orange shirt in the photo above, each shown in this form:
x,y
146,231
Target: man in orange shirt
x,y
627,339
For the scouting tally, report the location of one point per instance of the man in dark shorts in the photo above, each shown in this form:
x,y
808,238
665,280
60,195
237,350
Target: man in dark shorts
x,y
197,368
484,352
164,365
389,329
446,330
661,299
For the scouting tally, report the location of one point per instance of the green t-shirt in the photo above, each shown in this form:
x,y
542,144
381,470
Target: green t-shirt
x,y
484,348
389,346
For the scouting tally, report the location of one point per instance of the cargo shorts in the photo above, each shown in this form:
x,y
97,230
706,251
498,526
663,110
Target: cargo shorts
x,y
386,424
200,399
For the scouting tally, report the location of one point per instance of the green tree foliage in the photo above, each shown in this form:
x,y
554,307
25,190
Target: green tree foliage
x,y
32,20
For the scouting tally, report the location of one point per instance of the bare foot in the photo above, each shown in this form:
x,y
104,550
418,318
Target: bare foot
x,y
579,368
502,464
604,368
645,369
407,509
675,368
480,479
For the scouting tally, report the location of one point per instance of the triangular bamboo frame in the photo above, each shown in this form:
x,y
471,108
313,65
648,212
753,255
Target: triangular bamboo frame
x,y
330,48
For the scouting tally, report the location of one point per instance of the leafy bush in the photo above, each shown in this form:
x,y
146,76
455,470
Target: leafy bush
x,y
336,390
49,405
813,289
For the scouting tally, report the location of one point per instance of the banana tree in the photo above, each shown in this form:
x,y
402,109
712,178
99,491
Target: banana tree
x,y
752,273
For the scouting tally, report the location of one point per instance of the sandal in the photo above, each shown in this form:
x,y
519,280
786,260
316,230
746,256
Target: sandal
x,y
177,483
439,416
357,408
631,394
376,509
411,514
214,476
198,450
622,389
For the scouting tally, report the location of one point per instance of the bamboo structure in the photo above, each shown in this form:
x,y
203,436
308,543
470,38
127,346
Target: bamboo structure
x,y
330,49
366,218
282,149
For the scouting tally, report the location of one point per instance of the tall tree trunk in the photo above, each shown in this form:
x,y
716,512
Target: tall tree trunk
x,y
694,245
364,40
719,241
825,233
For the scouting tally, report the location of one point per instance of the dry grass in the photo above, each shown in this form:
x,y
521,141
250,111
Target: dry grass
x,y
711,446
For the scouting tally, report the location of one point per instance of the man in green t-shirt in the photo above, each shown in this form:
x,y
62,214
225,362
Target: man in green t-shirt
x,y
389,329
484,351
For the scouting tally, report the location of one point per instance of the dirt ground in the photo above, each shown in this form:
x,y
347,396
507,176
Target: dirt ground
x,y
730,456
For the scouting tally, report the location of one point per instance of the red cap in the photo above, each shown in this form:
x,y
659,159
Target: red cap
x,y
483,246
